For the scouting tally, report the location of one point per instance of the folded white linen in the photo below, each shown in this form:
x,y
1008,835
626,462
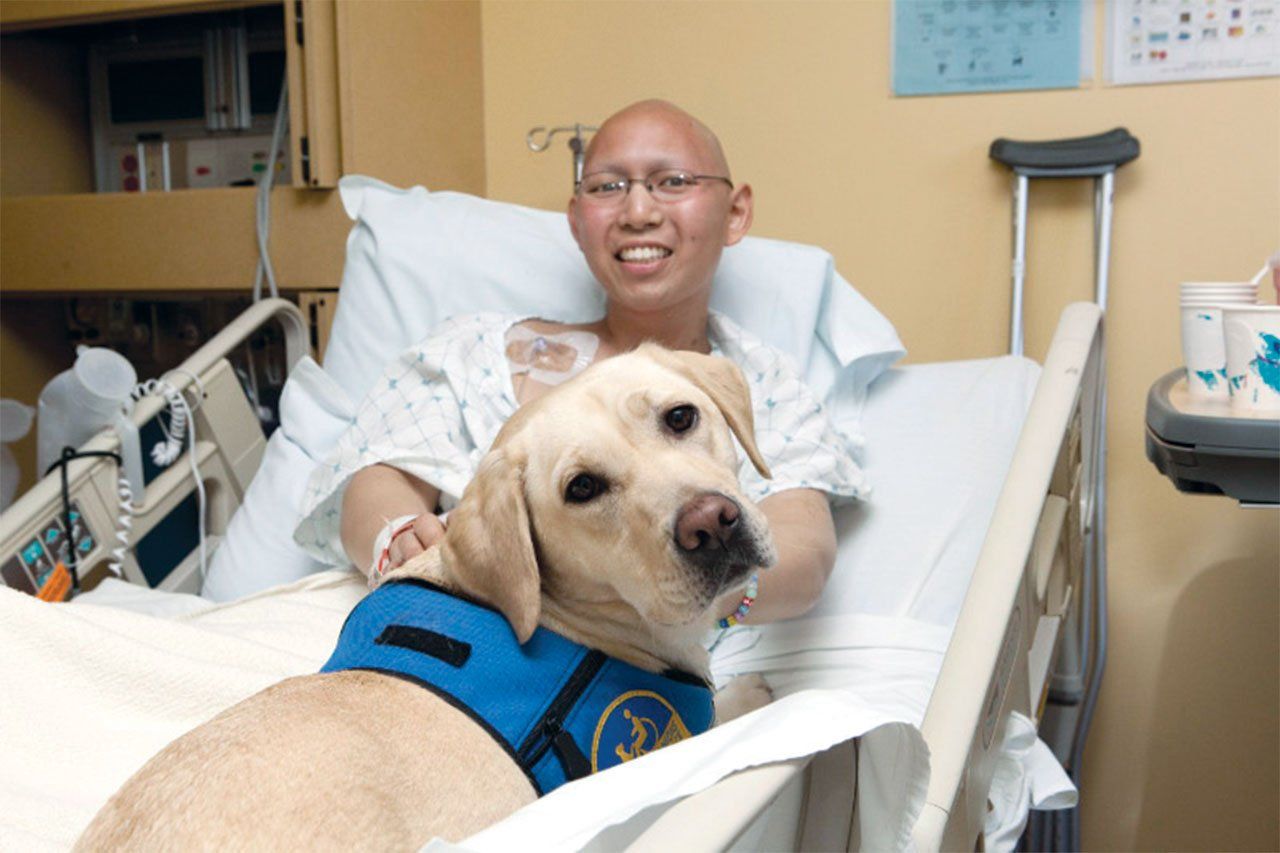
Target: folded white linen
x,y
574,816
1027,776
889,663
833,679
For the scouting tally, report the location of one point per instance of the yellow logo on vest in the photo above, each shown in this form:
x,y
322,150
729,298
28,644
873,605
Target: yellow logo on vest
x,y
634,724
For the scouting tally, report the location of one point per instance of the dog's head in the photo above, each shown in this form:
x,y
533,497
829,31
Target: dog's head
x,y
617,486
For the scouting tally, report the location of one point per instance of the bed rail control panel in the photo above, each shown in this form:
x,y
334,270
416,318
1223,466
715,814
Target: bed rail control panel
x,y
156,541
41,567
162,529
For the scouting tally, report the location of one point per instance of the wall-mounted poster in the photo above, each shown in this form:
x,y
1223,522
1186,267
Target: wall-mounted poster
x,y
1160,41
950,46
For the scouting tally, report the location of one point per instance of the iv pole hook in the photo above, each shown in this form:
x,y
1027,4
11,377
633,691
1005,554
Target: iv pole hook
x,y
575,143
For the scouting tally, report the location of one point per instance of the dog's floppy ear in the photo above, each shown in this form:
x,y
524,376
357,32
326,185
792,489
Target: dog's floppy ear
x,y
488,546
722,381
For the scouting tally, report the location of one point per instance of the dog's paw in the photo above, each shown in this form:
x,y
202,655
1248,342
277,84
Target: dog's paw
x,y
742,695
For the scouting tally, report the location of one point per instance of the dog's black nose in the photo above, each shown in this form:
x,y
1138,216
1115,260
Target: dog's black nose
x,y
707,523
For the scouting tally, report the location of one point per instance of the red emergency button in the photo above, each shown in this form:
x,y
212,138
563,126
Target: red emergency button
x,y
131,183
129,163
203,170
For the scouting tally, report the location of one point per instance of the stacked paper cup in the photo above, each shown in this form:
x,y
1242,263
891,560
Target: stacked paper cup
x,y
1204,346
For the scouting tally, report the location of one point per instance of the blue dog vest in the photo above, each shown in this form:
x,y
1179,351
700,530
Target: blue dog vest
x,y
561,710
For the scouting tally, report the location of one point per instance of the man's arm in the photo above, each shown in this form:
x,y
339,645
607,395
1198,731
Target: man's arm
x,y
805,536
374,496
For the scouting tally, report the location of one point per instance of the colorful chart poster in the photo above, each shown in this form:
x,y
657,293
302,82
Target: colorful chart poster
x,y
1160,41
951,46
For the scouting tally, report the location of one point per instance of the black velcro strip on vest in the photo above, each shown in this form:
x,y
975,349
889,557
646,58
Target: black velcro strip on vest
x,y
451,651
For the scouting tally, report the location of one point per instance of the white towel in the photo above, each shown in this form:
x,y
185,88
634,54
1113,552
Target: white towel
x,y
1027,776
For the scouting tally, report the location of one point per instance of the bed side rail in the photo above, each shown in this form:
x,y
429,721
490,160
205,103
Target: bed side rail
x,y
716,818
1021,591
1005,639
229,446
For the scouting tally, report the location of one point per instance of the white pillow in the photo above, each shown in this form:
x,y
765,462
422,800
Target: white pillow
x,y
416,258
258,550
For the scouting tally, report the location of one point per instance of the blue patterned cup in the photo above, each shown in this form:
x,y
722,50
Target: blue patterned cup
x,y
1252,334
1204,352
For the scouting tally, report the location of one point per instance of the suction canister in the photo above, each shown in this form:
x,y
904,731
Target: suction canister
x,y
81,401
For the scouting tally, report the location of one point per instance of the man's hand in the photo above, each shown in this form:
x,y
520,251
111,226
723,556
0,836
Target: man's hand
x,y
414,538
376,494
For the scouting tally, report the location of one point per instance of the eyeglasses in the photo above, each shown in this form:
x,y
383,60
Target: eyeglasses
x,y
663,185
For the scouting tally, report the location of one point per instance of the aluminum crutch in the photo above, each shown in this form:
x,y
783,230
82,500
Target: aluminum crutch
x,y
1083,658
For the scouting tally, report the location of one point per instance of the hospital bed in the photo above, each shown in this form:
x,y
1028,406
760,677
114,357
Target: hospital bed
x,y
906,703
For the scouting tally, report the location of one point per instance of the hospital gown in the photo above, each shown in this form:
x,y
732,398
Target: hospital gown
x,y
438,407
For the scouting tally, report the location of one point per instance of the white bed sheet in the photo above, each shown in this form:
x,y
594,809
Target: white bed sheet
x,y
940,438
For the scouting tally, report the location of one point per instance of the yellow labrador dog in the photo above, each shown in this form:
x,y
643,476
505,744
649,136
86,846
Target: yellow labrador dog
x,y
603,524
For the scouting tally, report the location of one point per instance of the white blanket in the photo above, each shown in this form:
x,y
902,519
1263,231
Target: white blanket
x,y
91,692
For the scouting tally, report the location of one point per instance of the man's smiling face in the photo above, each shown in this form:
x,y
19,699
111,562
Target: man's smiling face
x,y
649,255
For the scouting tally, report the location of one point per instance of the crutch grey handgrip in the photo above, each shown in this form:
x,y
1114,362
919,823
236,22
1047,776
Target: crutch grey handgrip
x,y
1068,158
1096,156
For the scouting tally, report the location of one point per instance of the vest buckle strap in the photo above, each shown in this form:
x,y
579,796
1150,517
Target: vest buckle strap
x,y
549,728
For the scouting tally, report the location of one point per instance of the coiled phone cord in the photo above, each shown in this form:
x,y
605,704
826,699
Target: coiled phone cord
x,y
181,425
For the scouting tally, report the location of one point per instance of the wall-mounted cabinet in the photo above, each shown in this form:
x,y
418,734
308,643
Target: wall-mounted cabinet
x,y
160,102
387,88
384,88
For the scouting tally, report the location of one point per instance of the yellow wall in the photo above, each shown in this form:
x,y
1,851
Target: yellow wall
x,y
1185,751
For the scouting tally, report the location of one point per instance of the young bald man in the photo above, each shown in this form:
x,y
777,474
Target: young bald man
x,y
656,207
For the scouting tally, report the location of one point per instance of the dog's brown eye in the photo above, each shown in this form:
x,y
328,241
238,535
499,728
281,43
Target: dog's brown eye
x,y
583,488
681,418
